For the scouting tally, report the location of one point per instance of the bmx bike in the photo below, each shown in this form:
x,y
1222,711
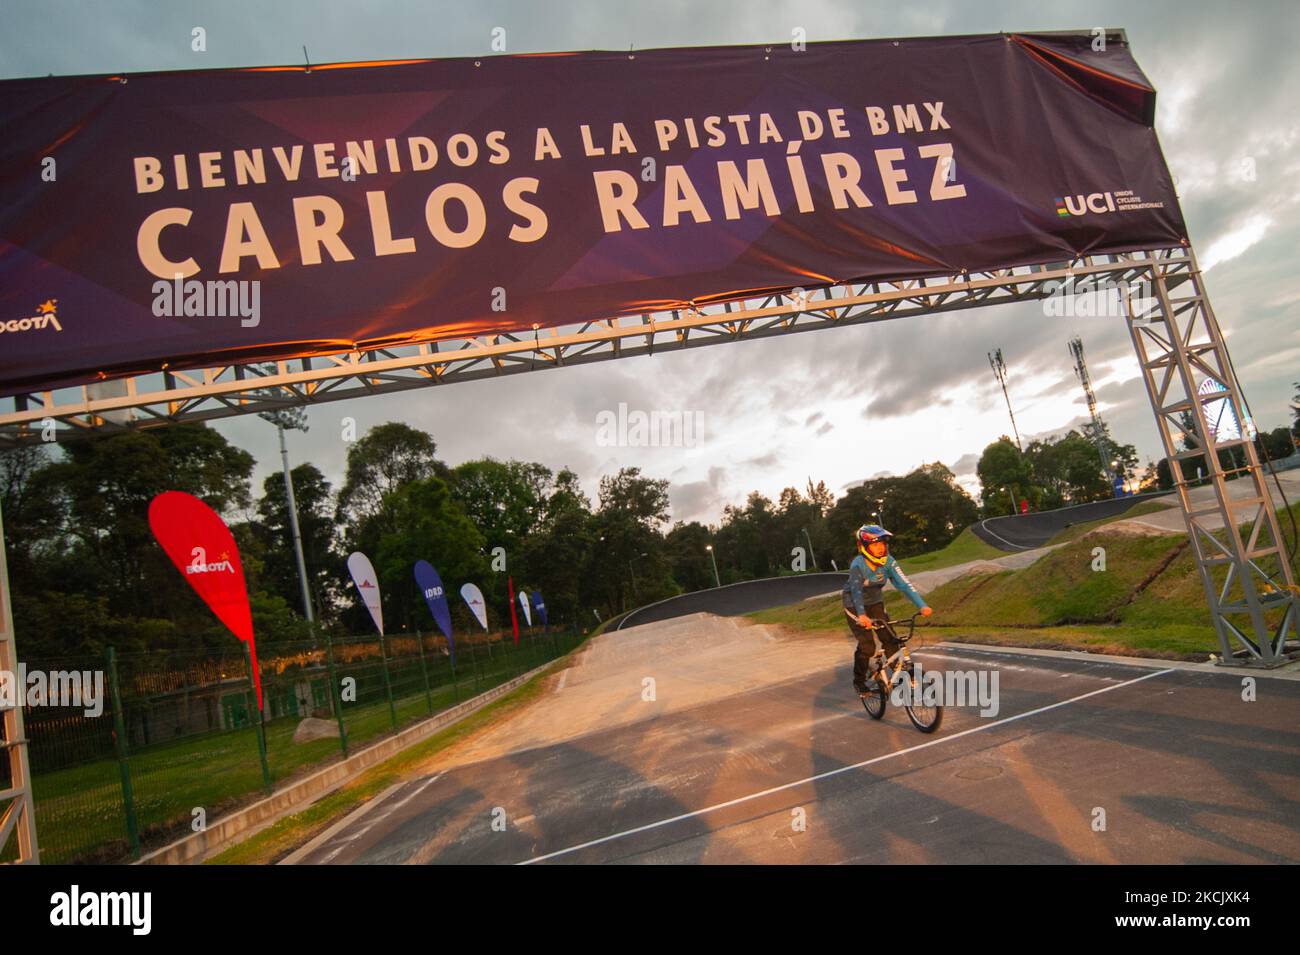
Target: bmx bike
x,y
889,672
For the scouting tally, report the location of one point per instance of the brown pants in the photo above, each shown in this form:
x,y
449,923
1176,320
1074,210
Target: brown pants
x,y
867,644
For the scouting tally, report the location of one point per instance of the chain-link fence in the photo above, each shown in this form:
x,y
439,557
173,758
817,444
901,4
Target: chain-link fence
x,y
174,739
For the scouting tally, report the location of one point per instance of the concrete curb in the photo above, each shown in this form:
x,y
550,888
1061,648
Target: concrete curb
x,y
245,822
1289,671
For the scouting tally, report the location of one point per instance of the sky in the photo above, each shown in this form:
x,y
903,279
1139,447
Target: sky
x,y
840,405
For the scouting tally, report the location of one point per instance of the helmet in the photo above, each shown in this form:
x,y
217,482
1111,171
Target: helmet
x,y
870,533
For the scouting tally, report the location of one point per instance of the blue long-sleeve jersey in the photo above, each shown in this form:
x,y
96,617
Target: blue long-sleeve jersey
x,y
866,581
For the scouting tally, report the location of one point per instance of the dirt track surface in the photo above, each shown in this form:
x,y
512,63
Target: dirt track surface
x,y
752,732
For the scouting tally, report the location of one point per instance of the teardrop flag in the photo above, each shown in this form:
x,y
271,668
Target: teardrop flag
x,y
540,606
528,611
514,618
367,582
201,546
431,586
474,597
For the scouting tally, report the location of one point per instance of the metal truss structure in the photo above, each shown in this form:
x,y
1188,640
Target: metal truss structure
x,y
17,807
221,392
1254,605
1246,572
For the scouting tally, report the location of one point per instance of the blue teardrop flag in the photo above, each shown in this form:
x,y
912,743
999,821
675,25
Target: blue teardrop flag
x,y
431,586
540,606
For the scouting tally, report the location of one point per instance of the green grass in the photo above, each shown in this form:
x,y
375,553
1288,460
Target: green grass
x,y
963,549
79,811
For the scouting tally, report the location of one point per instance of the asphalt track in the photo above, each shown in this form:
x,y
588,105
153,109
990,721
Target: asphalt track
x,y
1025,531
753,730
741,598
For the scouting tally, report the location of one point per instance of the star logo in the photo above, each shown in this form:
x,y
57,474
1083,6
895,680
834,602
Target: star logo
x,y
48,307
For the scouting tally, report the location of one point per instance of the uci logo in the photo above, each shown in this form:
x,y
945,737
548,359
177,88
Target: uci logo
x,y
1078,205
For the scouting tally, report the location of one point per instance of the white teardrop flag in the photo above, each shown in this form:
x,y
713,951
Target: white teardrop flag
x,y
528,611
367,581
474,597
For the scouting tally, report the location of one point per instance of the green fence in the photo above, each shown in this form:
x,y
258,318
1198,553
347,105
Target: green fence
x,y
178,741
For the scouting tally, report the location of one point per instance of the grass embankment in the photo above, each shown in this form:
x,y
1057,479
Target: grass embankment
x,y
1148,601
965,547
292,831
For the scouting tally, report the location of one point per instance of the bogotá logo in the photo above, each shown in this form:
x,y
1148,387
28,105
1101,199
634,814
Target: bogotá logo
x,y
199,563
46,317
1100,203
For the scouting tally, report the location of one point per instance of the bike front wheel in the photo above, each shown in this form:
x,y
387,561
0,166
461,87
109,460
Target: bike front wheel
x,y
924,718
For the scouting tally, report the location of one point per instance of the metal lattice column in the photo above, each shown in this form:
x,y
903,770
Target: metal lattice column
x,y
1255,605
17,809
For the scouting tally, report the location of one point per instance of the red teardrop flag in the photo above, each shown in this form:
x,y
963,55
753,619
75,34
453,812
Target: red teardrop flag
x,y
201,546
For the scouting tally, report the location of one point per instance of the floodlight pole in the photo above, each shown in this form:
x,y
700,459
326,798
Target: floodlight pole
x,y
297,536
17,807
1000,372
1254,603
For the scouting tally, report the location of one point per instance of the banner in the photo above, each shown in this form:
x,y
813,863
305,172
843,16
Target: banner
x,y
514,618
184,219
540,606
201,546
474,597
431,586
367,583
523,602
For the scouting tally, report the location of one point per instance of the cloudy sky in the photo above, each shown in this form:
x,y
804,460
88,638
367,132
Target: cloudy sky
x,y
839,405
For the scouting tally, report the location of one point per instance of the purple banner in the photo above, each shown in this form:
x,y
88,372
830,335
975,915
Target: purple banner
x,y
366,205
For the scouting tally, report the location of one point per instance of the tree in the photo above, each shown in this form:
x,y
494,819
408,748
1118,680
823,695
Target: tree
x,y
312,495
386,458
1295,411
1275,444
1005,475
555,556
506,500
92,572
418,521
686,549
626,561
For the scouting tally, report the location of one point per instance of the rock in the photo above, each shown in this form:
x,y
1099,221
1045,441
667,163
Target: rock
x,y
312,728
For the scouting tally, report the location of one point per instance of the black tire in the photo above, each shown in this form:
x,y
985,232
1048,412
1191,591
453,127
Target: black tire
x,y
875,701
925,718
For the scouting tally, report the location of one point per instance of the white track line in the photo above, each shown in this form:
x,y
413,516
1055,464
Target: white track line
x,y
842,769
985,524
419,789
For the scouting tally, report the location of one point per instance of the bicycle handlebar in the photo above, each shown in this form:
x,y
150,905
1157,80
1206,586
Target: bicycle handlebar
x,y
911,626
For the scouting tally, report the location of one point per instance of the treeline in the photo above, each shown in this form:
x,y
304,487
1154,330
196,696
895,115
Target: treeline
x,y
86,572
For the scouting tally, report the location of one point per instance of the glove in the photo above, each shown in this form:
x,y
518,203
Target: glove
x,y
926,611
864,621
